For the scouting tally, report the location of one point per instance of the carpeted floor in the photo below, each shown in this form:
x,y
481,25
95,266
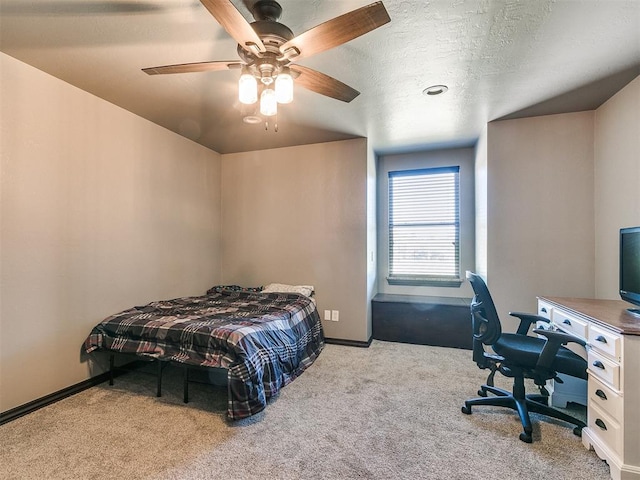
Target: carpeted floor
x,y
391,411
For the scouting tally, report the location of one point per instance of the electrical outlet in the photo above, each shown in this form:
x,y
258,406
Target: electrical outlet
x,y
327,314
335,315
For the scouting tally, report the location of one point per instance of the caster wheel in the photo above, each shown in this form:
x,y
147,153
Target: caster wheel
x,y
526,437
466,410
577,431
482,393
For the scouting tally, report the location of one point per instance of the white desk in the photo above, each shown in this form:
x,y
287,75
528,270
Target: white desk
x,y
613,391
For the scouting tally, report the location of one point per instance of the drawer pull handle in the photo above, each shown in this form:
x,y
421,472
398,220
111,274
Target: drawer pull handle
x,y
601,339
601,424
598,364
601,394
566,321
543,310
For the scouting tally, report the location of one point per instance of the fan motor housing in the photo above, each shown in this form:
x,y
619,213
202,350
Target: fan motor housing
x,y
266,10
273,35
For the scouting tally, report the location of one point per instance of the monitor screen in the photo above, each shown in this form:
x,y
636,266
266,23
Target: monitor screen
x,y
630,265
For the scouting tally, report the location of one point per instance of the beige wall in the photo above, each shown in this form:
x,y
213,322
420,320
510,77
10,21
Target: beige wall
x,y
298,215
481,205
464,157
540,213
101,210
372,234
617,181
558,189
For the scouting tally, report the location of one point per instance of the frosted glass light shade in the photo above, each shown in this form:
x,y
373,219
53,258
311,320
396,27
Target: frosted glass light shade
x,y
247,89
284,87
268,102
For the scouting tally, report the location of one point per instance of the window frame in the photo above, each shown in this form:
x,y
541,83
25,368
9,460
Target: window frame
x,y
438,280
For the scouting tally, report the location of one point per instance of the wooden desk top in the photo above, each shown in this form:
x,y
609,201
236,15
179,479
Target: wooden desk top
x,y
612,314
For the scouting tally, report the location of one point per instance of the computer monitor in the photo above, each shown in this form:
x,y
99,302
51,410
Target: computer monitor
x,y
630,267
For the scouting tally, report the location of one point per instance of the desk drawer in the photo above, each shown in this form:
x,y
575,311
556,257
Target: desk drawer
x,y
605,428
544,310
606,342
570,324
604,369
605,399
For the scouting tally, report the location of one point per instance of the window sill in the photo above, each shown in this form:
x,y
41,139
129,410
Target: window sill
x,y
425,282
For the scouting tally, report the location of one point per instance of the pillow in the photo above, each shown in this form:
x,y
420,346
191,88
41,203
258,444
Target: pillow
x,y
306,290
233,288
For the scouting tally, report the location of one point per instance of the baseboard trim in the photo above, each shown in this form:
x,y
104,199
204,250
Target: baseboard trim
x,y
37,404
22,410
350,343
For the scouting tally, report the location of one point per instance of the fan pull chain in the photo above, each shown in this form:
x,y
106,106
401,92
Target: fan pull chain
x,y
275,124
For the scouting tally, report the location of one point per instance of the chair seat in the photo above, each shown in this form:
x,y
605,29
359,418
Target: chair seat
x,y
524,351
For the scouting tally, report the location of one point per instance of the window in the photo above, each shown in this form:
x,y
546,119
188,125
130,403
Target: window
x,y
424,227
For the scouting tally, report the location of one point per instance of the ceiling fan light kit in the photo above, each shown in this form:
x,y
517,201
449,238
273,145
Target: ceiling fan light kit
x,y
247,88
268,102
283,93
267,50
284,86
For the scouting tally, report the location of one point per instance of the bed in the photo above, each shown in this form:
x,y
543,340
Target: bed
x,y
264,338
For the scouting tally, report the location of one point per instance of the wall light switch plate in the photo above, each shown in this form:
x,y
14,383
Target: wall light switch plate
x,y
327,314
335,315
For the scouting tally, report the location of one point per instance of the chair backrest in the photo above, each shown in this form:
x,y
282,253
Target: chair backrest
x,y
484,317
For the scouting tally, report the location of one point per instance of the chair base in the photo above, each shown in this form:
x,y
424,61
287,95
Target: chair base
x,y
523,404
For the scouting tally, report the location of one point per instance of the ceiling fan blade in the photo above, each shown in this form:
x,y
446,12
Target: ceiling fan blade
x,y
323,84
235,24
193,67
336,31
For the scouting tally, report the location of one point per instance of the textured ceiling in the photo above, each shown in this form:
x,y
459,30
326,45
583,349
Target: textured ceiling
x,y
499,58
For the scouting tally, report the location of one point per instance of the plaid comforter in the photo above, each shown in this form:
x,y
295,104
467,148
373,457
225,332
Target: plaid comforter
x,y
265,340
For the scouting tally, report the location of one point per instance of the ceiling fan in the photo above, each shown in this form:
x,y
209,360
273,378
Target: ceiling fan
x,y
268,50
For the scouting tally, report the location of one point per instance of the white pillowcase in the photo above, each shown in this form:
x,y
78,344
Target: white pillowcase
x,y
306,290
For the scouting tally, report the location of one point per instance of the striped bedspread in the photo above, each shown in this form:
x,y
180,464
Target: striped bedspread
x,y
265,340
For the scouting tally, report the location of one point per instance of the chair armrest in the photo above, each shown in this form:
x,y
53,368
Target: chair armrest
x,y
526,319
554,340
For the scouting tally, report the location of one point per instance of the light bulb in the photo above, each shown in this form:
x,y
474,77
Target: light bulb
x,y
284,86
247,88
268,102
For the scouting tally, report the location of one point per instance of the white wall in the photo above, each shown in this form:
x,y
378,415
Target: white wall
x,y
298,215
617,181
101,210
540,209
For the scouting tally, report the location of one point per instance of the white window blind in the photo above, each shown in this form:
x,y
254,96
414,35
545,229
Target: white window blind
x,y
424,226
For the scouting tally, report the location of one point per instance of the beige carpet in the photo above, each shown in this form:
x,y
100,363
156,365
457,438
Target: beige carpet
x,y
391,411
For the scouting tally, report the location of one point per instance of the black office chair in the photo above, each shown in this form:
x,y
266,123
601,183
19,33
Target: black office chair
x,y
520,356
